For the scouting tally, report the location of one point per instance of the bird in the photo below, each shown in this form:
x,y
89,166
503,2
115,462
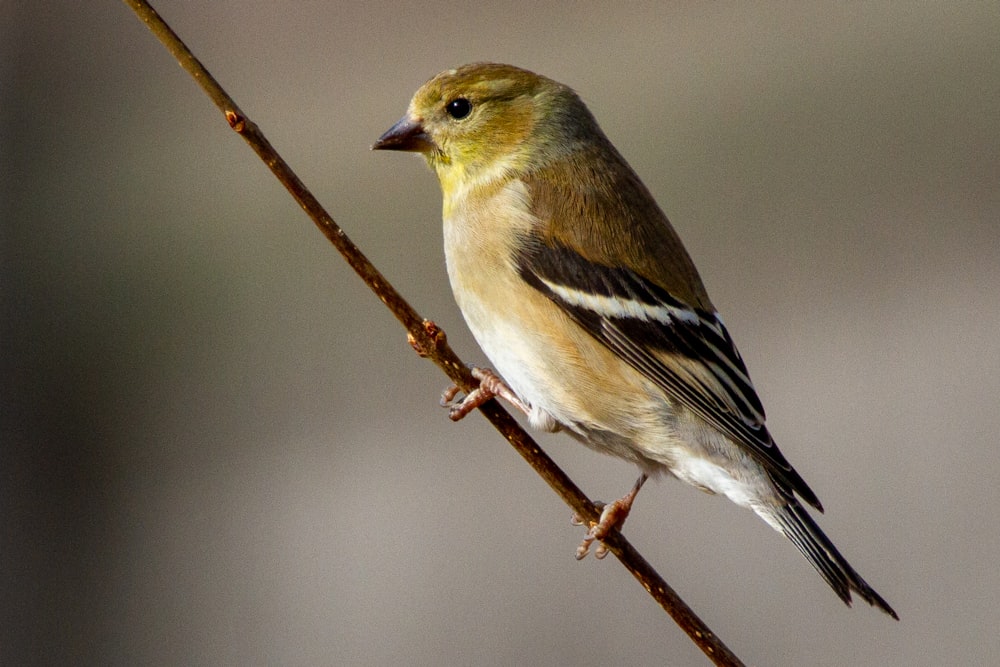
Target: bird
x,y
591,311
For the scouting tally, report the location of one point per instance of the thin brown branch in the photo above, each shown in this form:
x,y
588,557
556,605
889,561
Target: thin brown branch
x,y
433,344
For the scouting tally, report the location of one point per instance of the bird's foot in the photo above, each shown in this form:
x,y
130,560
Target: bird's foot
x,y
490,387
613,515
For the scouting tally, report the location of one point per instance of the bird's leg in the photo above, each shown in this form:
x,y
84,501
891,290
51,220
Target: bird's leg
x,y
613,515
490,386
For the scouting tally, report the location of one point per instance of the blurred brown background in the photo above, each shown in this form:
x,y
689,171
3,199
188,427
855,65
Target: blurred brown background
x,y
217,448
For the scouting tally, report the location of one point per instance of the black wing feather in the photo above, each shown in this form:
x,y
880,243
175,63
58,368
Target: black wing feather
x,y
697,339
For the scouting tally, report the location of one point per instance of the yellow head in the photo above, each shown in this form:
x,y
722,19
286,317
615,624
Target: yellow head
x,y
482,121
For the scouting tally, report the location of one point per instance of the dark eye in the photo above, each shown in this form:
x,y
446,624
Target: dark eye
x,y
458,108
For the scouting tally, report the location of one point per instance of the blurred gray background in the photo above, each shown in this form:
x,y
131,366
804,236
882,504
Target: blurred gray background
x,y
217,448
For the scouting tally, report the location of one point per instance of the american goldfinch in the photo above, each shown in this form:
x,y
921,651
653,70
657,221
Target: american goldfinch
x,y
582,296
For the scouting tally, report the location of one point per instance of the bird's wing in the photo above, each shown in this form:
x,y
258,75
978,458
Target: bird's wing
x,y
686,351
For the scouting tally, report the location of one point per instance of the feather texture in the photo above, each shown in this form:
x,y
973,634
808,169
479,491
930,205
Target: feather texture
x,y
688,353
581,294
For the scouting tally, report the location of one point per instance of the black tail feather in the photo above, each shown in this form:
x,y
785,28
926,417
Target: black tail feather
x,y
803,532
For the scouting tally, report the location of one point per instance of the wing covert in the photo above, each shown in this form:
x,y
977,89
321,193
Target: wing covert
x,y
686,351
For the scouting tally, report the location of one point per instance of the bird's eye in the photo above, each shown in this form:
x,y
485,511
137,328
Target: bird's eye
x,y
458,108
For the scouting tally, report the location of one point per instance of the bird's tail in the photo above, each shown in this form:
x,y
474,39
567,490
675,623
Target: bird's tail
x,y
796,524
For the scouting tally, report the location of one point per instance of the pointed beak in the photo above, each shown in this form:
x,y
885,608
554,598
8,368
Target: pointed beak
x,y
406,135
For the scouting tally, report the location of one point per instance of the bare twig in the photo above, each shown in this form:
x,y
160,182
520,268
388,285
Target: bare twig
x,y
432,342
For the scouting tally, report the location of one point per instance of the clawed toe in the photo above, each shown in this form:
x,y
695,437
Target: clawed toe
x,y
613,515
448,395
457,409
610,518
490,387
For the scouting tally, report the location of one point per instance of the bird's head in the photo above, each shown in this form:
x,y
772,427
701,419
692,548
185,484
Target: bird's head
x,y
481,121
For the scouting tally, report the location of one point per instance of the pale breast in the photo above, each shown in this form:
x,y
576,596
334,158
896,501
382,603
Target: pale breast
x,y
549,361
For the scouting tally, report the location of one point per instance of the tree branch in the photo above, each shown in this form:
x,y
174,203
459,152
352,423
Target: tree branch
x,y
432,343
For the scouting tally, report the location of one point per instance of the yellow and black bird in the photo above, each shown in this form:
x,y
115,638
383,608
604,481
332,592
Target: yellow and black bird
x,y
582,296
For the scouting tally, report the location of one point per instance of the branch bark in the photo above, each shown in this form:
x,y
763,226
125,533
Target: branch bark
x,y
432,343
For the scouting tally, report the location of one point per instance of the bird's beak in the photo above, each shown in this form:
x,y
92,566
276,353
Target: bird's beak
x,y
406,135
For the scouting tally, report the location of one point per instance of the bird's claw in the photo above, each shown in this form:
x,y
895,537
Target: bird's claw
x,y
490,387
613,515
